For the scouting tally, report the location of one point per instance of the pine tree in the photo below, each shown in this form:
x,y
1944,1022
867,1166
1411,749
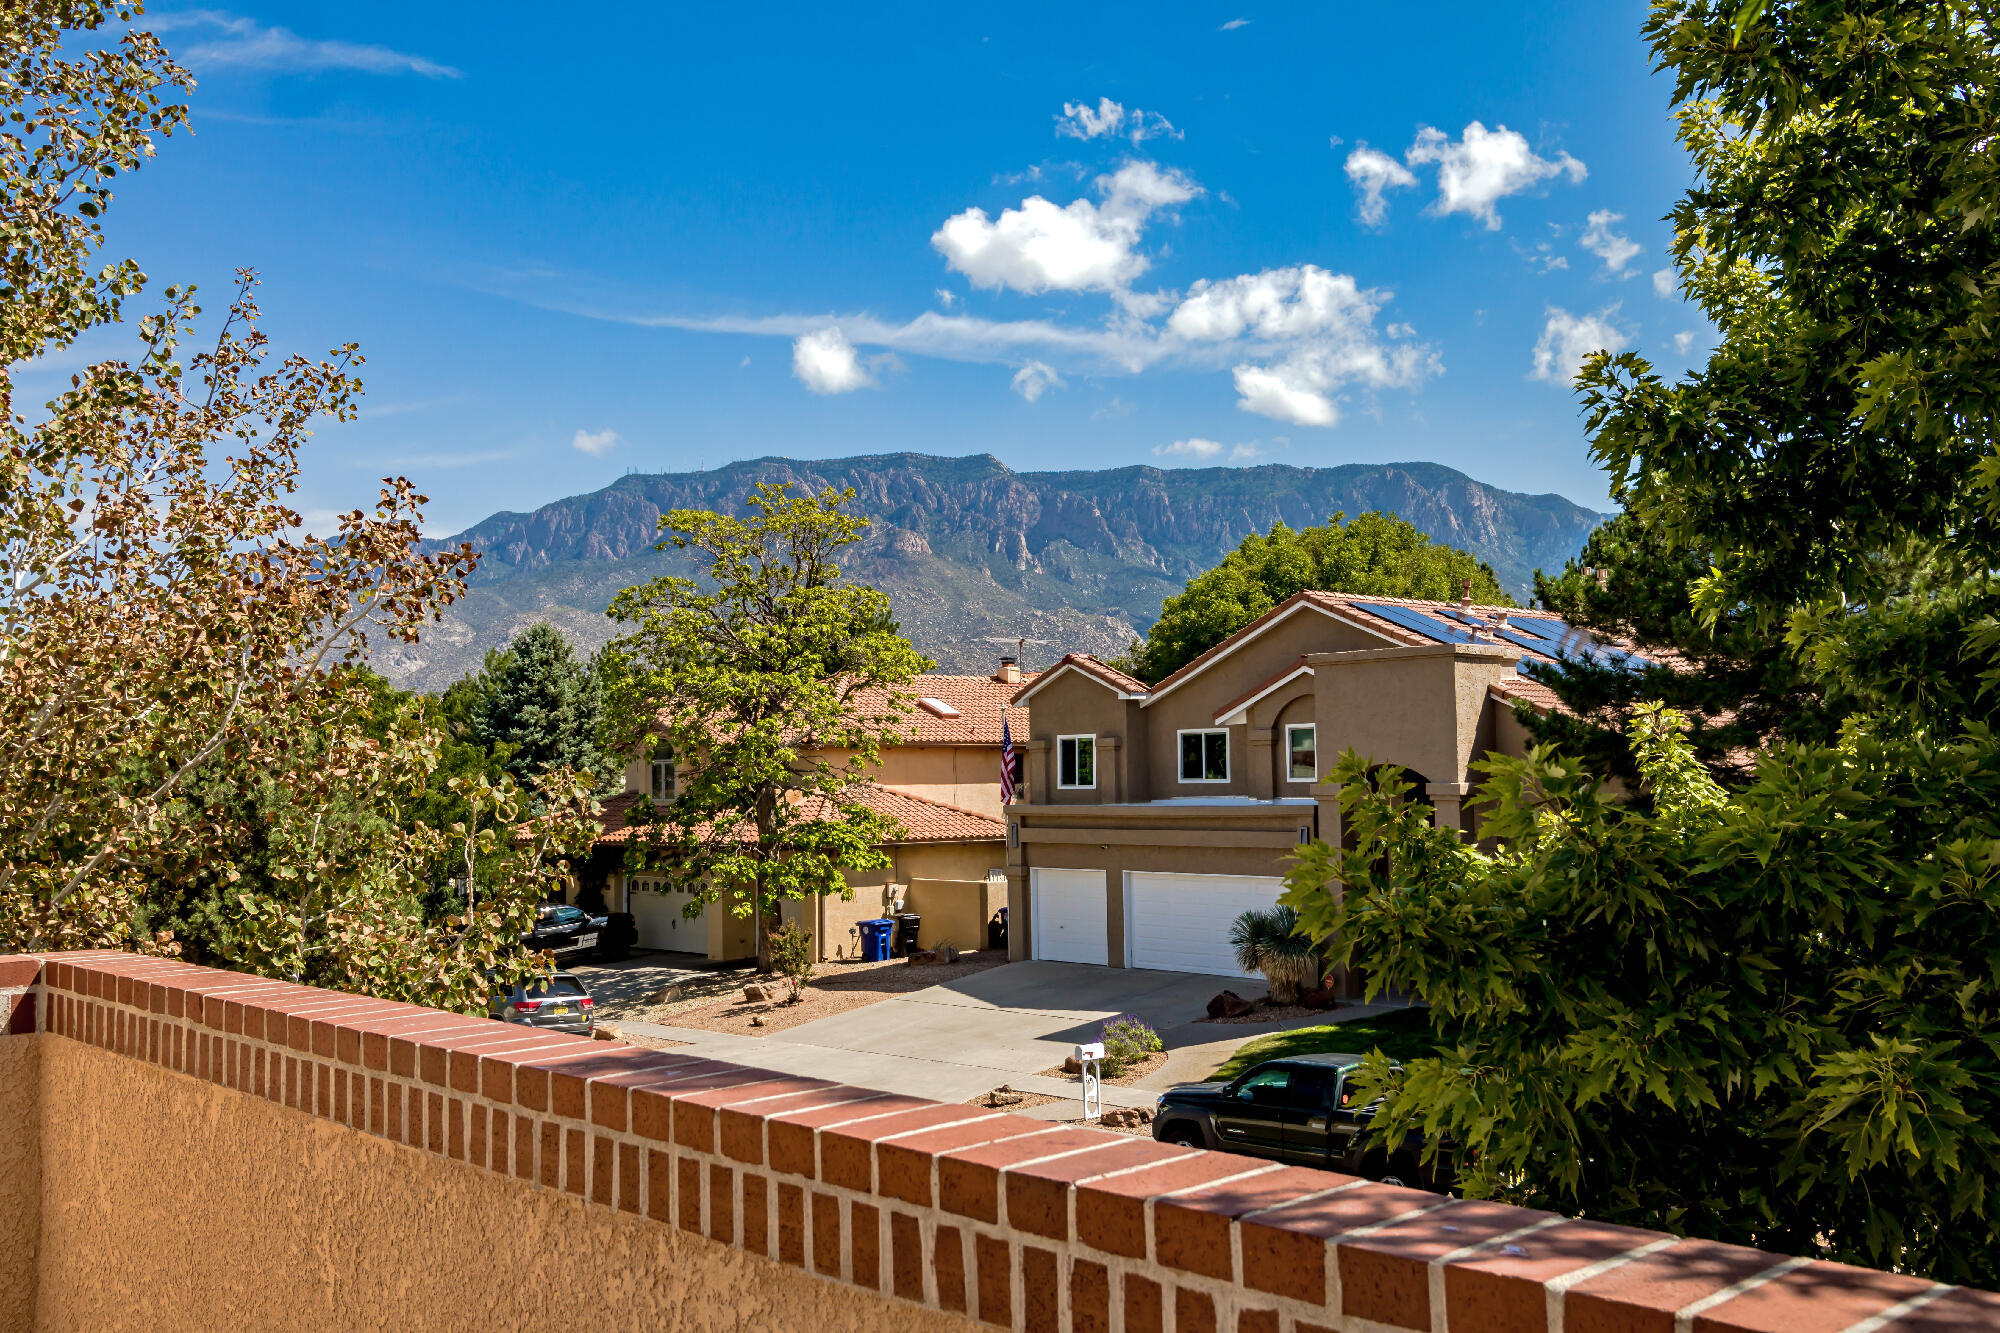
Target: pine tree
x,y
542,708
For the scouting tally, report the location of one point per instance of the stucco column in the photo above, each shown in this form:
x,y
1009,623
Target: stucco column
x,y
1448,803
1327,794
1110,772
1263,778
1039,786
1017,912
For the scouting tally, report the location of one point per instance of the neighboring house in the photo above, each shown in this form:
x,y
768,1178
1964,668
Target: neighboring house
x,y
941,782
1160,813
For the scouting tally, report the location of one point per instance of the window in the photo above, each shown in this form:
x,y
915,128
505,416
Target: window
x,y
663,779
1204,756
1301,754
1076,761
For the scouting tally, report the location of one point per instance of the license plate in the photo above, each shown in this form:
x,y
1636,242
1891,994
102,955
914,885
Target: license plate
x,y
562,1009
585,941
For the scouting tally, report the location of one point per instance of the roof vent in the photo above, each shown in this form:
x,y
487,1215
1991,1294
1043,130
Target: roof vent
x,y
1465,594
936,707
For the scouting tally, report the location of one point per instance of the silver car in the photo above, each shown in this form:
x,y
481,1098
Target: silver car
x,y
560,1004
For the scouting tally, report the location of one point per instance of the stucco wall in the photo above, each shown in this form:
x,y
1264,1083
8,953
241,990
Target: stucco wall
x,y
179,1204
20,1179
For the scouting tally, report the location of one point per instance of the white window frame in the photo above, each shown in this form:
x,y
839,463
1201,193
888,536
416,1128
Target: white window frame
x,y
1077,786
1291,727
653,768
1180,741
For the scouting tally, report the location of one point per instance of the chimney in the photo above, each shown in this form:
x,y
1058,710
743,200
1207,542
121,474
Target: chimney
x,y
1009,672
1465,594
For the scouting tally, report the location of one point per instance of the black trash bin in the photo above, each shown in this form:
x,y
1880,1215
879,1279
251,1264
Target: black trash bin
x,y
906,932
996,930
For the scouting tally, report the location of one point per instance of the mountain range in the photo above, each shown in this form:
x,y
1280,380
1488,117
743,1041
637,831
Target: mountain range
x,y
971,551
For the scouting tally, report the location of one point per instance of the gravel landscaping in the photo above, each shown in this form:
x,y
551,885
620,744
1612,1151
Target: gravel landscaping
x,y
714,1000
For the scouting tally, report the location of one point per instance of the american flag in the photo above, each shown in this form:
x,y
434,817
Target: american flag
x,y
1006,760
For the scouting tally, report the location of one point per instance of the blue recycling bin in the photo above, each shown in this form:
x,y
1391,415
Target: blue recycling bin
x,y
876,939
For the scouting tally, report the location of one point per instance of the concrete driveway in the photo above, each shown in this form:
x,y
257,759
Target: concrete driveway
x,y
952,1042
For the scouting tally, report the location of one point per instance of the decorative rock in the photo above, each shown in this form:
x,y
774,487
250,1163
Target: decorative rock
x,y
1072,1065
1318,999
1127,1116
607,1032
756,1020
755,994
1219,1006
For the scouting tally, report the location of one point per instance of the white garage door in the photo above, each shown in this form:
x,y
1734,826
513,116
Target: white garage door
x,y
1071,916
656,913
1180,923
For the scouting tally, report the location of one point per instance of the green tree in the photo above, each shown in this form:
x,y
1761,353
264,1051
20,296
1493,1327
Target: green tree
x,y
1764,1013
1377,553
758,680
541,708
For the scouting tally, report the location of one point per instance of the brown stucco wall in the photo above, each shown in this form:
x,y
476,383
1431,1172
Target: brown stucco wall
x,y
178,1204
20,1179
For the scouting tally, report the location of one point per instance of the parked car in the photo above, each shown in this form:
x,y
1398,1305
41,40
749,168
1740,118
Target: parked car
x,y
1300,1109
566,932
561,1004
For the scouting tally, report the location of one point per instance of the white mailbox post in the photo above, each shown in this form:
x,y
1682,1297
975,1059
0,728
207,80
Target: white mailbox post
x,y
1090,1058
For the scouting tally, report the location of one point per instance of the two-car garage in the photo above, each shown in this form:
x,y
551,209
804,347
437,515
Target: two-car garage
x,y
1173,922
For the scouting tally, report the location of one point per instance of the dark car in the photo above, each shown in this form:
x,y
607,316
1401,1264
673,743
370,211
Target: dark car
x,y
566,932
560,1004
1299,1109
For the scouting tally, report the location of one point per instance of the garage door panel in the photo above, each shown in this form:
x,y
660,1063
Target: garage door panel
x,y
1180,923
1070,916
656,915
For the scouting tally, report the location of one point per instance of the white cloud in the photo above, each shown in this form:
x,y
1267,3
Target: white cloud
x,y
1665,284
1614,248
1233,25
1313,329
1110,120
1039,247
1485,166
826,363
946,296
1567,339
1035,378
1193,447
249,44
595,443
1683,341
1372,172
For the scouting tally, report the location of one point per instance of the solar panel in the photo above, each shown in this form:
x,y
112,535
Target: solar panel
x,y
1538,634
1411,619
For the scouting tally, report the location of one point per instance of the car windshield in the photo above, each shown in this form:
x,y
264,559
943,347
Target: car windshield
x,y
565,916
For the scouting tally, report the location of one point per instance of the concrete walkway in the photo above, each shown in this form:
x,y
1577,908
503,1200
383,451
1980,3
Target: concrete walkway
x,y
954,1041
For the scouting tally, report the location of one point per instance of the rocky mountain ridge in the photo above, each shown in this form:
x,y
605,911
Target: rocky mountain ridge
x,y
970,549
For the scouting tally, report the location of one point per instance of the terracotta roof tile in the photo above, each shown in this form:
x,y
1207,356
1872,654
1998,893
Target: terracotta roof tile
x,y
976,698
1103,671
923,819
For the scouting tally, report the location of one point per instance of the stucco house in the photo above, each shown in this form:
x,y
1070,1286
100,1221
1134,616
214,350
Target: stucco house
x,y
940,781
1160,813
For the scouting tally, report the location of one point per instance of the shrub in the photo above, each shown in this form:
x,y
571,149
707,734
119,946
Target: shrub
x,y
1127,1040
1271,942
792,957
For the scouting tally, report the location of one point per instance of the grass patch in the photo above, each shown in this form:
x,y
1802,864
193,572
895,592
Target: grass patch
x,y
1403,1034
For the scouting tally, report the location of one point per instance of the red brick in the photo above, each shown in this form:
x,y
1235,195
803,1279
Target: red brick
x,y
1285,1252
478,1149
995,1281
904,1167
1041,1295
791,1136
628,1177
1111,1213
1642,1296
1089,1297
1258,1321
826,1234
969,1178
791,1225
864,1246
949,1261
19,970
551,1137
602,1164
1385,1276
740,1116
690,1194
1818,1298
608,1104
1957,1311
21,1021
697,1097
1503,1291
1145,1311
721,1204
1194,1312
847,1153
756,1213
906,1257
1037,1193
659,1186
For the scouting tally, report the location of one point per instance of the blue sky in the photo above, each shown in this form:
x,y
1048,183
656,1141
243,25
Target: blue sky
x,y
663,237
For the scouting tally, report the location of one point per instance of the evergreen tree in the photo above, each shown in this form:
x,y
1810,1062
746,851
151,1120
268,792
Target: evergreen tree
x,y
1377,553
540,708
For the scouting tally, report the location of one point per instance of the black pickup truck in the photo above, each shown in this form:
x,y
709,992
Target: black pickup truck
x,y
1299,1109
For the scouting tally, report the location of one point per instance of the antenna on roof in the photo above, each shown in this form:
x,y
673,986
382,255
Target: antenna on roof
x,y
1020,643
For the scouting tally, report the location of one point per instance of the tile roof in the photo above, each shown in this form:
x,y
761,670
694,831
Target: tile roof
x,y
923,819
977,699
1084,662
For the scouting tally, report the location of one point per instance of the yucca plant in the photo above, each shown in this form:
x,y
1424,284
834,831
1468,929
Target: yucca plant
x,y
1270,942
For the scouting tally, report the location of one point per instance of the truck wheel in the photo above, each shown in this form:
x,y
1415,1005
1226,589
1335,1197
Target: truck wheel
x,y
1182,1135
